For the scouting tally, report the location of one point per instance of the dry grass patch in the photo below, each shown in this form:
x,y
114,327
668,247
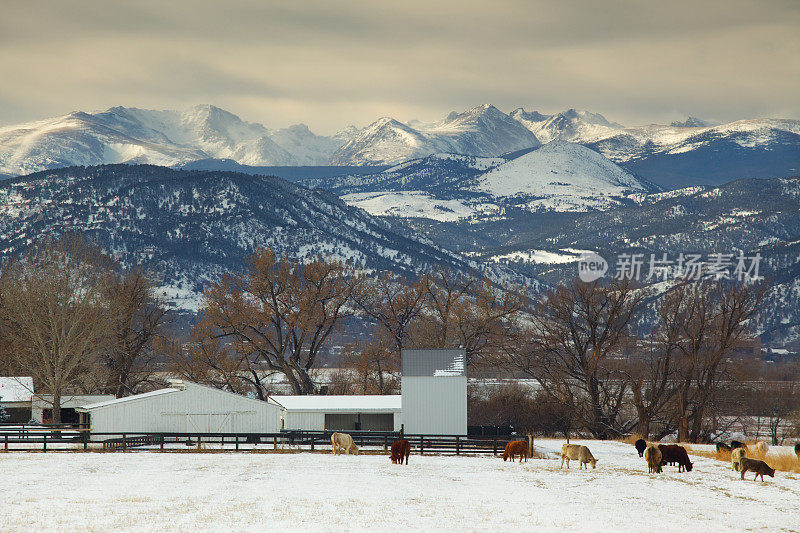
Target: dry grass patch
x,y
784,462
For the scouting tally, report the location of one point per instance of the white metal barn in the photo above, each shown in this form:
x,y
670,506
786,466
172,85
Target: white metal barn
x,y
434,391
340,413
183,407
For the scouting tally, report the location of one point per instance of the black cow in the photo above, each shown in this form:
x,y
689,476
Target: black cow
x,y
797,449
721,446
641,446
736,444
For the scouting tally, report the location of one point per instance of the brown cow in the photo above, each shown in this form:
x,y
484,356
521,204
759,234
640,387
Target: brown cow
x,y
754,465
400,449
514,448
672,453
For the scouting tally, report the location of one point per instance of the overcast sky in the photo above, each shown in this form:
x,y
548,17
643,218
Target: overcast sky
x,y
335,62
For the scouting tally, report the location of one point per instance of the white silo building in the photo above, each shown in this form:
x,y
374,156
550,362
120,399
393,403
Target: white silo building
x,y
434,392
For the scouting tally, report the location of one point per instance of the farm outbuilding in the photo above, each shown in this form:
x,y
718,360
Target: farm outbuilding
x,y
434,392
340,413
15,398
183,407
42,406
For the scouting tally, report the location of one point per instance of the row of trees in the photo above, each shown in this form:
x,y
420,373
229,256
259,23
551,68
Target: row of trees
x,y
77,322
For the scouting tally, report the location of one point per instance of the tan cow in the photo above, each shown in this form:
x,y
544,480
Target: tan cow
x,y
343,443
577,452
653,457
736,457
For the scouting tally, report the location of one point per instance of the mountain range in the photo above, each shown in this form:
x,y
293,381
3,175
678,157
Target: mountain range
x,y
682,154
192,226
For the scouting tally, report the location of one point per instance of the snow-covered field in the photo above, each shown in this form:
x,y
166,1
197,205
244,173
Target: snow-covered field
x,y
151,491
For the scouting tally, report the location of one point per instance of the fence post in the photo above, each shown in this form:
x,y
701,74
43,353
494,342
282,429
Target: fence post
x,y
44,443
124,442
312,443
421,445
530,445
161,441
494,445
385,442
198,442
6,439
274,443
458,444
85,437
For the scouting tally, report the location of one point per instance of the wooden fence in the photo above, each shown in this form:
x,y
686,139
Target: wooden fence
x,y
81,437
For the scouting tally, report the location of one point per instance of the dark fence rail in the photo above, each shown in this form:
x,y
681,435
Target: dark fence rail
x,y
455,444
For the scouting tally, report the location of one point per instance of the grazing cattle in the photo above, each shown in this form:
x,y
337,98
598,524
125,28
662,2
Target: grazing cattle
x,y
722,447
672,453
754,465
578,453
797,450
343,443
641,445
736,444
736,457
514,448
762,448
653,457
400,449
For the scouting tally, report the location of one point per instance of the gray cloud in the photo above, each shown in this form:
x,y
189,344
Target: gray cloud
x,y
330,63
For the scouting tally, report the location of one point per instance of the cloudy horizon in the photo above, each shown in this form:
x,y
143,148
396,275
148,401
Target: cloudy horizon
x,y
330,65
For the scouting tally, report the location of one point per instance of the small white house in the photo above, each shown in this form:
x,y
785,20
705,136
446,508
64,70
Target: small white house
x,y
183,407
15,398
42,406
340,413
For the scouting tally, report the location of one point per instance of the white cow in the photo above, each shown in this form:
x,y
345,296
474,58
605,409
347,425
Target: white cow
x,y
736,457
343,443
577,452
762,448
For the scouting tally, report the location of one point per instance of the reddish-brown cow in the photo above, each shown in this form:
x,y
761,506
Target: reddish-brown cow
x,y
672,453
400,449
514,448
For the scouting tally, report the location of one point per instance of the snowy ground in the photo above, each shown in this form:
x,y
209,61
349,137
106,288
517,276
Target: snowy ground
x,y
150,491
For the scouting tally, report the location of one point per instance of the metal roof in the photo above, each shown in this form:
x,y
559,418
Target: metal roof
x,y
16,389
126,399
348,404
434,363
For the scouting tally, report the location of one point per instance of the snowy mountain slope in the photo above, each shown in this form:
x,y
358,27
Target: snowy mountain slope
x,y
134,135
753,216
192,226
569,125
560,176
432,173
483,131
681,156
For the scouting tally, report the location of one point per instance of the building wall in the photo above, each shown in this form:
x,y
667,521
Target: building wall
x,y
435,405
315,420
305,420
196,408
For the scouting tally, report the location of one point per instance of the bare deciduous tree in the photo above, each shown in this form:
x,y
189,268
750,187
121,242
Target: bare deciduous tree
x,y
709,320
137,318
53,303
576,334
393,303
279,314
